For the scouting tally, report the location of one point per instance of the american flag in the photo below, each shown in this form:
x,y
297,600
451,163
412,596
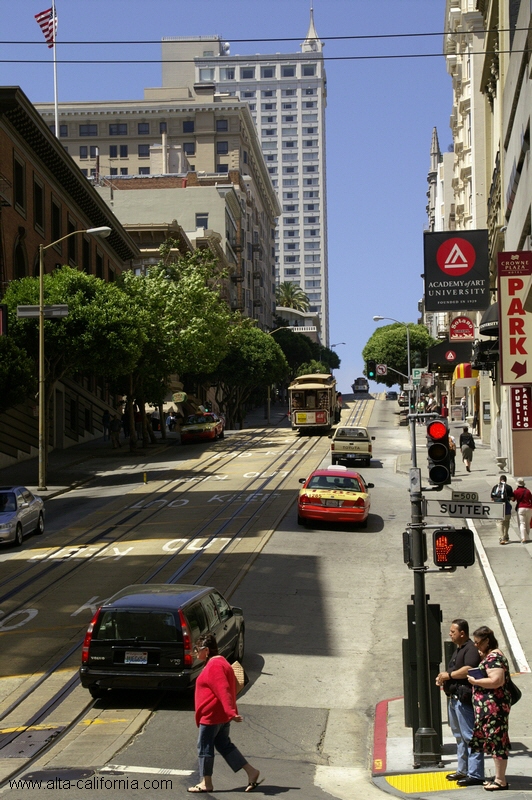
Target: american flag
x,y
47,21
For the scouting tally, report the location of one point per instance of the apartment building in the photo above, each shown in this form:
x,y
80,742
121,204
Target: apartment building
x,y
286,94
175,138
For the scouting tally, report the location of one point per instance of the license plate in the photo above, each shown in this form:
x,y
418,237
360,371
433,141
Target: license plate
x,y
351,455
132,657
334,503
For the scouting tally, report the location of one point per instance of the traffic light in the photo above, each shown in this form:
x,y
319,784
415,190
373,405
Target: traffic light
x,y
454,547
439,452
371,369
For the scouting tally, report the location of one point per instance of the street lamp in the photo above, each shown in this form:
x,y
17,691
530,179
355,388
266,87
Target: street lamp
x,y
336,345
103,232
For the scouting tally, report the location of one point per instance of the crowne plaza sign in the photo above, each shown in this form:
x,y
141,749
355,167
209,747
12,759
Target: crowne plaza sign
x,y
456,270
515,323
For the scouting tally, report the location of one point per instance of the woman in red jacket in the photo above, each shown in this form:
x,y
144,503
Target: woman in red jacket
x,y
215,704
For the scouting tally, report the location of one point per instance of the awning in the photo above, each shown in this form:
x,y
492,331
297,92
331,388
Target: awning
x,y
489,324
464,375
444,356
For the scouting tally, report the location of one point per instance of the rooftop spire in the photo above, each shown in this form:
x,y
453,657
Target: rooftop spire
x,y
312,44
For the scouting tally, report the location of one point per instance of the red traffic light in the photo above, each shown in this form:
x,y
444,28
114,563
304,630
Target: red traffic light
x,y
454,548
437,429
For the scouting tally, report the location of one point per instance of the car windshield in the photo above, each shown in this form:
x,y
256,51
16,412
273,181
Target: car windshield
x,y
197,419
351,433
143,626
336,482
7,502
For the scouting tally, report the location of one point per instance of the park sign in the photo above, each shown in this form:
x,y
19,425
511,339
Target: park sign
x,y
515,323
456,270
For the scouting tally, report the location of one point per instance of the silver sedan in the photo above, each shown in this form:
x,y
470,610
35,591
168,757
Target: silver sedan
x,y
21,513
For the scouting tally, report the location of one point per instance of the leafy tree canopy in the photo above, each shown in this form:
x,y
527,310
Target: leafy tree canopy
x,y
388,345
18,376
313,367
296,347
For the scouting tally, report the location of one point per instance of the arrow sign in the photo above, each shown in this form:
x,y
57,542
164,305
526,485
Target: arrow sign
x,y
382,369
519,369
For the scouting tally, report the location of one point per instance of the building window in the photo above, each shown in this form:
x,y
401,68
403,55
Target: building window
x,y
88,130
144,150
222,148
206,74
247,94
309,70
311,91
227,74
85,172
288,72
291,234
267,72
289,144
123,171
309,131
83,151
72,242
310,168
118,129
144,170
289,131
189,148
222,168
86,255
290,170
312,270
289,118
311,220
312,245
290,207
63,129
267,93
247,73
162,127
310,181
291,246
310,143
310,195
293,271
188,126
114,171
99,266
269,131
288,92
143,128
202,220
222,125
312,232
291,220
245,156
56,221
272,170
93,172
19,183
123,151
208,53
290,195
38,205
312,258
311,207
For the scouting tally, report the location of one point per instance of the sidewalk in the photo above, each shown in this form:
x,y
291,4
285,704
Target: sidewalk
x,y
508,575
76,465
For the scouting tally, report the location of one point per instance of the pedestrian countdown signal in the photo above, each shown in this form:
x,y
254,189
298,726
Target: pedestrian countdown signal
x,y
453,547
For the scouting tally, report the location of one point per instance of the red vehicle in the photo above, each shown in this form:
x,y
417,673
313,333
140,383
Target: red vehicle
x,y
202,426
335,494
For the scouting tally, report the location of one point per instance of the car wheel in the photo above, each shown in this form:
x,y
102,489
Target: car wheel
x,y
96,692
364,523
39,530
301,520
17,541
368,462
222,434
238,654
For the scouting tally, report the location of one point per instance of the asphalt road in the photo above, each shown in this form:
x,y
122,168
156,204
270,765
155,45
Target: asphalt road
x,y
325,613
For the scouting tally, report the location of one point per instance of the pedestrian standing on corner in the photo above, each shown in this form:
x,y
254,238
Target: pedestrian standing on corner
x,y
452,455
502,493
470,769
106,421
467,445
114,427
463,405
215,706
523,506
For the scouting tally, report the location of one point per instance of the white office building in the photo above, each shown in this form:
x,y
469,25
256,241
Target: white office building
x,y
286,94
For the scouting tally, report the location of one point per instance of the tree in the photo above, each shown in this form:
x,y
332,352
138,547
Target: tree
x,y
17,374
290,295
297,348
313,367
254,360
328,357
388,345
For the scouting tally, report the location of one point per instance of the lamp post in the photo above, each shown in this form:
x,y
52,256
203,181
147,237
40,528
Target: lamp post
x,y
102,232
426,747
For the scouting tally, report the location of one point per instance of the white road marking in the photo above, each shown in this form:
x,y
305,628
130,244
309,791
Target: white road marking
x,y
146,770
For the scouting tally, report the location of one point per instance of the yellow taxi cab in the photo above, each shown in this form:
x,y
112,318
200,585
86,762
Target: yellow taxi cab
x,y
334,494
202,426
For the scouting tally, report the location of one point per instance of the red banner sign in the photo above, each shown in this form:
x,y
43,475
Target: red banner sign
x,y
461,329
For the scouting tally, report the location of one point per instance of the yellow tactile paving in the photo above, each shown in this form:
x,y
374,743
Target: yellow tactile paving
x,y
422,782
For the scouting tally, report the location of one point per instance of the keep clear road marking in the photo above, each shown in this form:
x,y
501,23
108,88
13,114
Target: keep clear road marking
x,y
502,610
146,770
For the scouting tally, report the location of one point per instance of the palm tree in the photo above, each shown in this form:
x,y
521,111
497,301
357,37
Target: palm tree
x,y
289,295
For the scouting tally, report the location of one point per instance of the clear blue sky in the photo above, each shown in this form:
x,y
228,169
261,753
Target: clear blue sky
x,y
380,115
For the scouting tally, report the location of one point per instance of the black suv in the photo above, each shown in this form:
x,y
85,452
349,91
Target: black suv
x,y
143,637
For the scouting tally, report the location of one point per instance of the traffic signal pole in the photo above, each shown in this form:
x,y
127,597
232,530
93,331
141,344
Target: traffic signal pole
x,y
426,743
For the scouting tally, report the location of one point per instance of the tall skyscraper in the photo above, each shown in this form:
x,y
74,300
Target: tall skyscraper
x,y
286,94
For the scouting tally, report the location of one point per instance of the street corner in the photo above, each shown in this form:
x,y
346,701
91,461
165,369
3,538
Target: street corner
x,y
391,765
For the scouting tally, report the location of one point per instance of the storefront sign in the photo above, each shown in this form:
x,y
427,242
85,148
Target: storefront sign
x,y
461,329
456,270
521,408
515,324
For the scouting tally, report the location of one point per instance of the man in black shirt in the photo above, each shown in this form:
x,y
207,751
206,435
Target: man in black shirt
x,y
470,771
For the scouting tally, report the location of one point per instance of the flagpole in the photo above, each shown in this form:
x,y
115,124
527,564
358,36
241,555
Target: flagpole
x,y
54,24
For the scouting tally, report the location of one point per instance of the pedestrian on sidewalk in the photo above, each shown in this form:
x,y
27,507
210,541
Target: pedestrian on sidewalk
x,y
523,506
215,704
491,703
470,769
467,445
106,421
502,493
452,455
114,427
